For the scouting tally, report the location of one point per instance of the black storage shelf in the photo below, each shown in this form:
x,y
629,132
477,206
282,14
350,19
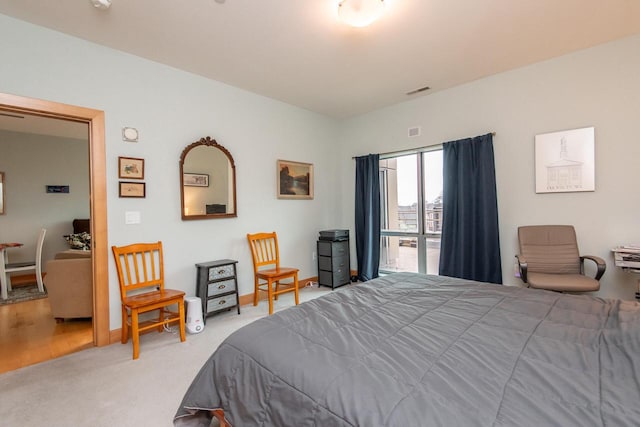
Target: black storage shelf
x,y
333,263
217,286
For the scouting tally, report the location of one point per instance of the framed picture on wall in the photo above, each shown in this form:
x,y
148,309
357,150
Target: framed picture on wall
x,y
195,179
294,180
132,189
130,168
565,161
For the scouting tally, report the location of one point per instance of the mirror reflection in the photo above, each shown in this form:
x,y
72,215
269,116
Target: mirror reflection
x,y
207,181
1,193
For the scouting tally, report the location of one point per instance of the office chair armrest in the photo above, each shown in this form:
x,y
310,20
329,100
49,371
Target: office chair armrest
x,y
522,265
602,266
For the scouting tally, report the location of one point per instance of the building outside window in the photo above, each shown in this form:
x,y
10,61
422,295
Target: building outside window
x,y
411,211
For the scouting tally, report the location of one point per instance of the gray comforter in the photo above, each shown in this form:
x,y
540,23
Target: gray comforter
x,y
416,350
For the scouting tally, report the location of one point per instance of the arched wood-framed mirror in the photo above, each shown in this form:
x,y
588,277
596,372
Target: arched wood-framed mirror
x,y
207,181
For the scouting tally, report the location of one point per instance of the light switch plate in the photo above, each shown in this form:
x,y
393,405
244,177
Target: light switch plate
x,y
132,217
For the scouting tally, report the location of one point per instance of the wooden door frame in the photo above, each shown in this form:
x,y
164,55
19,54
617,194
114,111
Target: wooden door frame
x,y
97,189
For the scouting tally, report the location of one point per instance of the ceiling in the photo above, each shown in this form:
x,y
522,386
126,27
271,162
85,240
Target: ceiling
x,y
297,51
28,123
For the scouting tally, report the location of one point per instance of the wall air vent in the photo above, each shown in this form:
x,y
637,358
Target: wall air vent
x,y
414,131
421,89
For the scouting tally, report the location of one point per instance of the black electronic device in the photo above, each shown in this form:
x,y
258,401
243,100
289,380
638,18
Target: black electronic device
x,y
334,235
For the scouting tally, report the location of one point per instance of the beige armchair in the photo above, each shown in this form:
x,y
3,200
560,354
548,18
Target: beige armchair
x,y
69,283
549,259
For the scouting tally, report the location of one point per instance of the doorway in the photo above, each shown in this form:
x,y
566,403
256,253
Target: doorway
x,y
97,190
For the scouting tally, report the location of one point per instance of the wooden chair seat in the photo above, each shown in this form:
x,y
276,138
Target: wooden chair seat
x,y
149,298
141,276
264,251
282,272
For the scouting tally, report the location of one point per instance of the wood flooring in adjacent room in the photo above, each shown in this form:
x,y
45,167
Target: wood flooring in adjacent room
x,y
29,334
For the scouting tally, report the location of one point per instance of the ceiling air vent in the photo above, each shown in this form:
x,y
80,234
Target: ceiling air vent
x,y
414,131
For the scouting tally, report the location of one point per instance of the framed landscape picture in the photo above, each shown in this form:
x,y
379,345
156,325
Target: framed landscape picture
x,y
130,168
294,180
132,189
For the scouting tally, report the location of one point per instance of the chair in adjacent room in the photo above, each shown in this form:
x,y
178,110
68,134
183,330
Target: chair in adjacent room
x,y
6,269
549,259
141,275
268,273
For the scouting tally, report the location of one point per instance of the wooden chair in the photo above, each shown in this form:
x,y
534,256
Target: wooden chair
x,y
264,250
141,276
36,265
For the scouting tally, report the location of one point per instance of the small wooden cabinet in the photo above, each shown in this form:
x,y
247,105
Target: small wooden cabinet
x,y
217,286
333,263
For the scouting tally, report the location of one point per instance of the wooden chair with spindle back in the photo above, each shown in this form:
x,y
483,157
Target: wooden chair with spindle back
x,y
141,275
265,253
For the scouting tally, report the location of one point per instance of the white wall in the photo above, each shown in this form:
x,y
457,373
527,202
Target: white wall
x,y
596,87
172,109
30,163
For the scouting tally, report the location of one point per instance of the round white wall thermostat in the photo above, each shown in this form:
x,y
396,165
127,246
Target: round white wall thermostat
x,y
130,134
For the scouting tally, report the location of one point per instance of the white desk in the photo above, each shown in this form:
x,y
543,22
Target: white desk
x,y
628,259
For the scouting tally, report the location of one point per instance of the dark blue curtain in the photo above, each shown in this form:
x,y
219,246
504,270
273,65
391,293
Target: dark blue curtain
x,y
470,246
368,216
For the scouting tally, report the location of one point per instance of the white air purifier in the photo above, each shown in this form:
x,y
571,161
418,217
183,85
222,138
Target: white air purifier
x,y
195,324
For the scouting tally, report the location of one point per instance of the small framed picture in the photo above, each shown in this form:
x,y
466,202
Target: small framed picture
x,y
57,189
132,189
195,179
294,180
130,168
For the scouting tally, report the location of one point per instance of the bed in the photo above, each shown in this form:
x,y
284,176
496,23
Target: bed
x,y
418,350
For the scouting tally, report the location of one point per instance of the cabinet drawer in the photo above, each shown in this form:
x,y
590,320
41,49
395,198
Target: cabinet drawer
x,y
333,248
324,263
334,278
221,303
328,263
221,287
222,272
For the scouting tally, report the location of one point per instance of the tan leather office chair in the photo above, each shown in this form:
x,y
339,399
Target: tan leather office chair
x,y
265,253
549,259
141,275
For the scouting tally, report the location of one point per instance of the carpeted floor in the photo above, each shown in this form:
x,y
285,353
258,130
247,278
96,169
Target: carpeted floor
x,y
23,293
106,387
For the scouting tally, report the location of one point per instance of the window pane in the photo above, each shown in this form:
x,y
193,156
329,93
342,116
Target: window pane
x,y
399,193
432,162
433,255
399,254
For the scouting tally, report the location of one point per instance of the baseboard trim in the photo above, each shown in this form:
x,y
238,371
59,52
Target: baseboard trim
x,y
116,334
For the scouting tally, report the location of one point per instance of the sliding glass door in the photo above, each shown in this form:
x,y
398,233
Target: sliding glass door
x,y
411,211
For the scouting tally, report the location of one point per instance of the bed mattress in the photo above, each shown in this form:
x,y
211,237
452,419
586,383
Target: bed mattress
x,y
418,350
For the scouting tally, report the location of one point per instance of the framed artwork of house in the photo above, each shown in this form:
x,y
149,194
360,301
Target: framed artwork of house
x,y
565,161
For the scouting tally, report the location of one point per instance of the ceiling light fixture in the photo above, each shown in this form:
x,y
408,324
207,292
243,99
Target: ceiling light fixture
x,y
101,4
360,13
